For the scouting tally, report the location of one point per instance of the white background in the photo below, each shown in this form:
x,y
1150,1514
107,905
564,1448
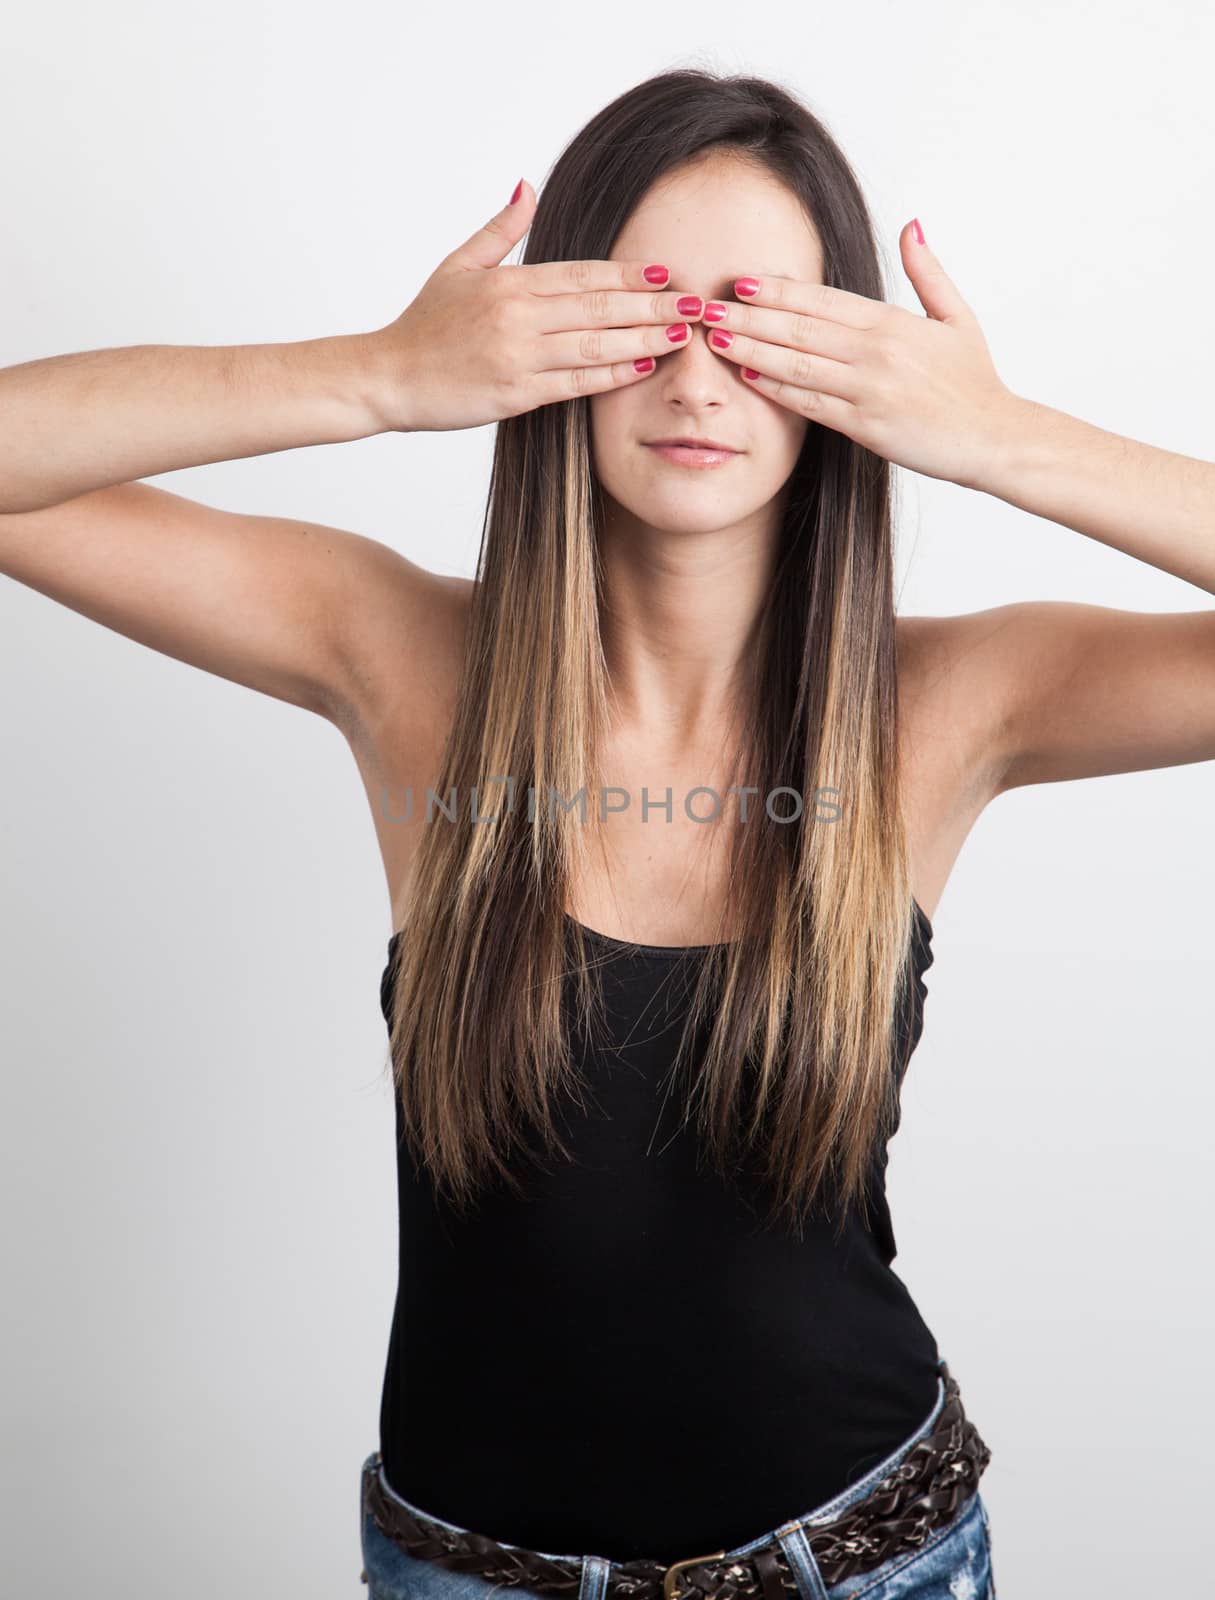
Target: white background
x,y
198,1214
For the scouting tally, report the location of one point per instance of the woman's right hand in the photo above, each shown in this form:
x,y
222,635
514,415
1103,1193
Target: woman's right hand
x,y
482,342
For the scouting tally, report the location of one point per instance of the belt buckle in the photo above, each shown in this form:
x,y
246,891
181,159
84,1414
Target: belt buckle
x,y
671,1576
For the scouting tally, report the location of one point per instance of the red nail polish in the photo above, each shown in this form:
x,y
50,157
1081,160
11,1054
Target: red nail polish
x,y
645,364
677,332
746,286
750,372
656,274
917,230
518,191
721,338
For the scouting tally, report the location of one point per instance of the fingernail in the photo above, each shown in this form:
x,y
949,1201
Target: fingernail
x,y
715,311
721,338
747,286
518,191
644,364
690,306
677,332
917,230
656,274
750,372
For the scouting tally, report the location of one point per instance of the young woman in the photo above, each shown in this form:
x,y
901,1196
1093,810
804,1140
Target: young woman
x,y
666,797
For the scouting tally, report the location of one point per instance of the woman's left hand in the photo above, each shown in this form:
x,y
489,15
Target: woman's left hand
x,y
921,391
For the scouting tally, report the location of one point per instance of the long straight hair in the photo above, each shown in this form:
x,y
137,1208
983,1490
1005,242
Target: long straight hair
x,y
796,1071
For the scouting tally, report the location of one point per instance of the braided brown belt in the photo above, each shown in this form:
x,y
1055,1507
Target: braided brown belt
x,y
924,1493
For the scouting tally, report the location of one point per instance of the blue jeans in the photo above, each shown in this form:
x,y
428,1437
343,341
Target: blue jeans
x,y
954,1564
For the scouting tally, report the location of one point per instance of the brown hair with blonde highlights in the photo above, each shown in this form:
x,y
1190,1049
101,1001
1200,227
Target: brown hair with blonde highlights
x,y
804,996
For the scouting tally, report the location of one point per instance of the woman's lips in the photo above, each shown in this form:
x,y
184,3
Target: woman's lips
x,y
692,456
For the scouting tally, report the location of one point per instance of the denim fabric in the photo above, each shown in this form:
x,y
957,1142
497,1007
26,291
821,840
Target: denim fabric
x,y
955,1564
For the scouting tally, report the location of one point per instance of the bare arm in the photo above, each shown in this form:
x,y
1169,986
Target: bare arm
x,y
309,614
1087,691
73,423
294,609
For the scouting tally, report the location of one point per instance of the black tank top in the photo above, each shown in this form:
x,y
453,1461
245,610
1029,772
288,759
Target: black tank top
x,y
625,1361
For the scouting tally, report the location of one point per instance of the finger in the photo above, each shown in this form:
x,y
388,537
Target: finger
x,y
571,383
800,330
780,364
499,236
812,300
937,292
816,405
827,409
607,308
594,347
581,277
